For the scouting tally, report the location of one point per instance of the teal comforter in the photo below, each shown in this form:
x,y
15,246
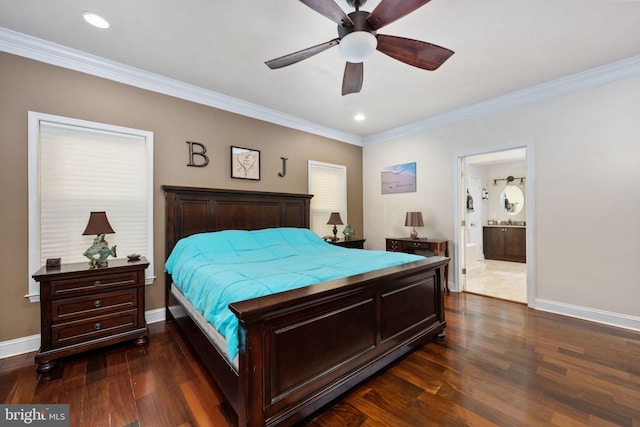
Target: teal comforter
x,y
216,269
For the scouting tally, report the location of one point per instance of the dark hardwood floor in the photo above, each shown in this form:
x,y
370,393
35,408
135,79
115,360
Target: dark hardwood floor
x,y
501,364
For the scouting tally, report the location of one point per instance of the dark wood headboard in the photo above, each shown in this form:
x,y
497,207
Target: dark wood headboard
x,y
191,210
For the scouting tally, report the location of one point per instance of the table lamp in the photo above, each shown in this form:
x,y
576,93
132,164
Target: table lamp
x,y
99,251
335,220
414,219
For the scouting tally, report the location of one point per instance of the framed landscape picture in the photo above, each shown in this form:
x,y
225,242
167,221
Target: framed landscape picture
x,y
245,163
399,178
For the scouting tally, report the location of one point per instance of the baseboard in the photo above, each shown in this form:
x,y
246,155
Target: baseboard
x,y
156,315
598,316
19,346
32,343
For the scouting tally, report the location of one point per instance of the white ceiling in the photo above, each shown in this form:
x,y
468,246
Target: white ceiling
x,y
501,46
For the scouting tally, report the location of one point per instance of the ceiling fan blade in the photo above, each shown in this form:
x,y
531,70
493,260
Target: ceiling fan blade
x,y
413,52
353,77
389,11
331,10
292,58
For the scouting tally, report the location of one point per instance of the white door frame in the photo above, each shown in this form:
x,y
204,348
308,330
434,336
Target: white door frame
x,y
459,203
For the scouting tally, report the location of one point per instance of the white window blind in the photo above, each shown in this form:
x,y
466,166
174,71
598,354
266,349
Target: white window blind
x,y
77,167
328,184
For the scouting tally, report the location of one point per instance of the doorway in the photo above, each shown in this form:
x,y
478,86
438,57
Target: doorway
x,y
489,267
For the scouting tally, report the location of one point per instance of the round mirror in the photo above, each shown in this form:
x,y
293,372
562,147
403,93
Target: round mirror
x,y
512,199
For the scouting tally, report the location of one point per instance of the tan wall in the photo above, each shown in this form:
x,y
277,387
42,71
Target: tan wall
x,y
27,85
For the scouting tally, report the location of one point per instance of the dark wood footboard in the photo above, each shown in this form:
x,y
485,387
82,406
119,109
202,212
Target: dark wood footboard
x,y
306,347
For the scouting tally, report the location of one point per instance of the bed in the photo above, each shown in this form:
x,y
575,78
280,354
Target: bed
x,y
303,348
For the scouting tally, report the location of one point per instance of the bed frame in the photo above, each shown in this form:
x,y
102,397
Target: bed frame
x,y
301,349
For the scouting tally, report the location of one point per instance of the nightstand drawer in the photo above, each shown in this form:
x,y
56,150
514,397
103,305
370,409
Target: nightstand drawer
x,y
64,287
93,305
352,243
84,330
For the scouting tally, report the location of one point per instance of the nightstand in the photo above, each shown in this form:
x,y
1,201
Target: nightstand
x,y
353,243
83,308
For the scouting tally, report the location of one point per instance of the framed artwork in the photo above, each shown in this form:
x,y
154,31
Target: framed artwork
x,y
399,178
245,163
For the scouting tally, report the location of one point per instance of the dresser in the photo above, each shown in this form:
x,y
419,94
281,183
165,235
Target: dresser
x,y
83,308
410,246
353,243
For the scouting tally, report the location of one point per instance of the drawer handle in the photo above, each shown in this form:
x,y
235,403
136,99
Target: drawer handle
x,y
97,326
97,303
97,283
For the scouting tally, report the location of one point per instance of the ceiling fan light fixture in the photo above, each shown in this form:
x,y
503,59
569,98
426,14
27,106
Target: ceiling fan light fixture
x,y
357,46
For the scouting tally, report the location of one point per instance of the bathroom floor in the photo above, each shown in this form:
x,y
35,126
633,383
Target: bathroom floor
x,y
499,279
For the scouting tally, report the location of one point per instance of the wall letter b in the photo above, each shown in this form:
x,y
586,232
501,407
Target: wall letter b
x,y
203,150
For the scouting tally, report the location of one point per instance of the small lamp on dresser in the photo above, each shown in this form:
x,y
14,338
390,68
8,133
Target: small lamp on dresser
x,y
414,219
335,220
99,251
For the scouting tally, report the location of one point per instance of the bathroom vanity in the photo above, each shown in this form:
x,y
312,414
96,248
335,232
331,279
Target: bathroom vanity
x,y
505,242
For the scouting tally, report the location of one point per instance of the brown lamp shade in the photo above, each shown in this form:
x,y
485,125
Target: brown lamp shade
x,y
414,219
335,219
98,224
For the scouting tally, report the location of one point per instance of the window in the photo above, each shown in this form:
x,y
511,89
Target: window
x,y
328,184
76,167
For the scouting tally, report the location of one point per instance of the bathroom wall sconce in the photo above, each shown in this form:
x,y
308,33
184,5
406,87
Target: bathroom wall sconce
x,y
509,180
485,194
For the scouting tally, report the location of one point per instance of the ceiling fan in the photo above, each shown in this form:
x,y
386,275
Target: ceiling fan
x,y
358,38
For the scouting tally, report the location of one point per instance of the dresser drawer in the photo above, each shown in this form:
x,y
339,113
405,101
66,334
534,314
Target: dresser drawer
x,y
93,305
418,245
64,287
394,246
81,331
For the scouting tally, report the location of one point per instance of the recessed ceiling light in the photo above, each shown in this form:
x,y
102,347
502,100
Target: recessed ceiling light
x,y
359,117
96,20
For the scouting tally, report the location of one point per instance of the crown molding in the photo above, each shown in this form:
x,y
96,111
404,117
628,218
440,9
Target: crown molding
x,y
62,56
619,70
